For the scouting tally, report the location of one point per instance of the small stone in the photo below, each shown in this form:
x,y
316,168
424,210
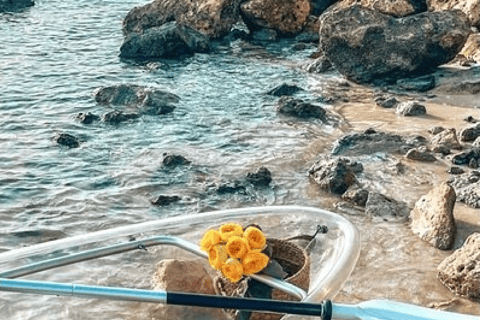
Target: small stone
x,y
335,176
298,108
66,140
164,200
87,118
356,195
447,138
231,188
260,178
173,160
388,102
460,272
455,170
442,150
116,117
379,205
319,65
417,154
411,108
436,130
284,90
470,119
432,218
470,133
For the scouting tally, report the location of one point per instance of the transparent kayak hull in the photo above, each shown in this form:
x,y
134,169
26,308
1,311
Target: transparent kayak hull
x,y
332,259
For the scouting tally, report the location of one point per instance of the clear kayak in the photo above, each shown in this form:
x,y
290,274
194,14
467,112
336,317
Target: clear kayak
x,y
125,257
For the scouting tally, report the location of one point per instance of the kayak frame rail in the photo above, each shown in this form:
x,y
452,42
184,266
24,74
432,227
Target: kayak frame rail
x,y
135,245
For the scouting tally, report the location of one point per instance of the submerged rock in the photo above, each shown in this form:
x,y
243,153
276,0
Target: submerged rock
x,y
165,200
334,176
298,108
467,188
432,218
173,160
87,118
66,140
141,99
367,46
371,141
284,89
15,5
411,108
170,40
117,117
379,205
460,272
260,178
211,18
287,17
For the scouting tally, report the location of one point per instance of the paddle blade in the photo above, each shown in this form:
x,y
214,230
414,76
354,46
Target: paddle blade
x,y
391,310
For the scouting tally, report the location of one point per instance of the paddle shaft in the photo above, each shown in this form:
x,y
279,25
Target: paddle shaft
x,y
324,311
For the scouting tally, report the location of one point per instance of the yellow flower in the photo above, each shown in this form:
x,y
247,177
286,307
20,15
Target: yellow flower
x,y
237,247
232,270
217,256
255,238
254,261
211,238
229,230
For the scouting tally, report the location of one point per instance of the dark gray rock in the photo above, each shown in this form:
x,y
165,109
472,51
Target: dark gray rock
x,y
15,5
420,155
420,84
319,65
411,108
173,160
87,118
460,272
441,149
260,178
432,218
319,6
367,46
265,35
371,141
467,188
464,157
284,90
470,133
388,209
170,40
356,195
117,117
471,119
455,170
235,187
298,108
140,99
66,140
334,176
165,200
387,102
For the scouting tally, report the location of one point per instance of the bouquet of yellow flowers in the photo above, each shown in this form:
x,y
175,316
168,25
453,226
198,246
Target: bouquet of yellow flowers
x,y
235,252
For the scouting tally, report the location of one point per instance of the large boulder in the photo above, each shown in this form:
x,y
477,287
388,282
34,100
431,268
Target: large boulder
x,y
287,17
432,218
460,272
15,5
170,40
396,8
213,18
367,46
470,7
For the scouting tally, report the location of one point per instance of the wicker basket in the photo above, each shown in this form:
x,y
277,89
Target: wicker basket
x,y
293,259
